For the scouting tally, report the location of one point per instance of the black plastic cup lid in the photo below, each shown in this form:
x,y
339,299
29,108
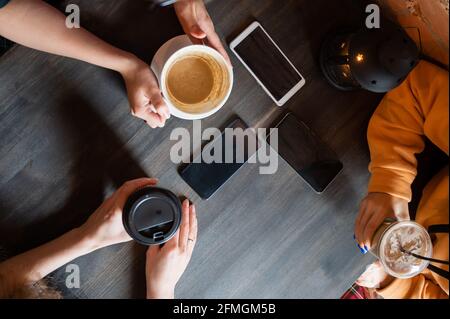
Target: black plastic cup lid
x,y
152,215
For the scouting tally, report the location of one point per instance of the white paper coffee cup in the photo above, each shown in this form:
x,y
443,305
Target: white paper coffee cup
x,y
168,54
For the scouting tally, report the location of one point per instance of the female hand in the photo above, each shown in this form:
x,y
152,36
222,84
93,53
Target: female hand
x,y
145,97
104,227
374,209
374,277
166,264
43,29
197,24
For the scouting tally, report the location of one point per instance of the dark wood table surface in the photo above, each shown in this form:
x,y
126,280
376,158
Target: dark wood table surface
x,y
67,139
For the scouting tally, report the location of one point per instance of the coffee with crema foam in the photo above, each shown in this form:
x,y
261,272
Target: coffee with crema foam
x,y
197,82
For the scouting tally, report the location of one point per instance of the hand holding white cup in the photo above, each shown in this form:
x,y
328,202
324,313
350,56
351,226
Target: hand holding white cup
x,y
196,80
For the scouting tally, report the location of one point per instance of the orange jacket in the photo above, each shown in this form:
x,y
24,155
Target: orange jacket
x,y
419,107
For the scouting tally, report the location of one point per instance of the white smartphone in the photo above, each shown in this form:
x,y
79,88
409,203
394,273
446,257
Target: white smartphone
x,y
267,63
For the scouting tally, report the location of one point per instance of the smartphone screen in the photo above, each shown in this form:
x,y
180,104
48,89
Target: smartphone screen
x,y
206,178
305,152
267,63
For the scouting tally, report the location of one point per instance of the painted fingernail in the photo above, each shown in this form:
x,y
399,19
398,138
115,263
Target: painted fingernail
x,y
365,247
362,250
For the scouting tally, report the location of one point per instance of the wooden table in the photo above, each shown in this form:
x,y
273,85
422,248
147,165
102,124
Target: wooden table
x,y
67,139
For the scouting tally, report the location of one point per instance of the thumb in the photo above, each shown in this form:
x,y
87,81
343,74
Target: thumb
x,y
197,32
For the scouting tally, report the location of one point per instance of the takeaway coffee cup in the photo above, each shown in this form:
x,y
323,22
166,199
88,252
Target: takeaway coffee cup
x,y
152,215
388,241
195,80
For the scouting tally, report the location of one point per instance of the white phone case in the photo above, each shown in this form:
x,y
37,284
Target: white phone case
x,y
240,38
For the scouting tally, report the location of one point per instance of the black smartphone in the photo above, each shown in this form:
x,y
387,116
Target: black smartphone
x,y
206,178
306,153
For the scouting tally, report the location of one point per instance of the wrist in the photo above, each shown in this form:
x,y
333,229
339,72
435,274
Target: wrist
x,y
130,65
161,293
88,242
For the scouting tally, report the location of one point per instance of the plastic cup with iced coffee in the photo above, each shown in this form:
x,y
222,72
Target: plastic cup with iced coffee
x,y
391,241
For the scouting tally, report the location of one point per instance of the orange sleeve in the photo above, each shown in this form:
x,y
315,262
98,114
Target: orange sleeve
x,y
417,108
418,287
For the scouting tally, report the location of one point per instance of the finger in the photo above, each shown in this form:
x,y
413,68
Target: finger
x,y
195,40
403,213
152,251
366,215
108,202
362,239
362,208
361,214
154,120
173,242
214,42
146,113
193,229
197,32
131,186
160,105
184,229
369,230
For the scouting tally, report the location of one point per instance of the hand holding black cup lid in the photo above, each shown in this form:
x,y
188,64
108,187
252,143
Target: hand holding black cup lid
x,y
152,215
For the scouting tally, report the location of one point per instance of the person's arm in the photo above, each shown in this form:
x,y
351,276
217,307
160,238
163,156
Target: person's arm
x,y
418,287
37,25
103,228
415,109
35,264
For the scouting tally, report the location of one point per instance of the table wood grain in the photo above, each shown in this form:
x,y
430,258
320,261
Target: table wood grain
x,y
67,140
